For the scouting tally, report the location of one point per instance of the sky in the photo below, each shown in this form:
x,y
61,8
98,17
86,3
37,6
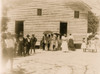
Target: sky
x,y
94,4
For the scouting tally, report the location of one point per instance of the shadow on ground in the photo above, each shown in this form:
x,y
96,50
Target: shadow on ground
x,y
16,71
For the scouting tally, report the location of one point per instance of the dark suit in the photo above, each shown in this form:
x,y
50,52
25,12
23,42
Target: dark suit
x,y
21,46
33,42
28,45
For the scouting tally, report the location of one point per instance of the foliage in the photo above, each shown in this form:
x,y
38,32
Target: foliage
x,y
4,19
92,23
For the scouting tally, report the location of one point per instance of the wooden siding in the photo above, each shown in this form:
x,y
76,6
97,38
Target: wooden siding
x,y
52,15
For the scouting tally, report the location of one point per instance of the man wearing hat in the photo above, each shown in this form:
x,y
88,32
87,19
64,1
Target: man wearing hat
x,y
33,42
28,44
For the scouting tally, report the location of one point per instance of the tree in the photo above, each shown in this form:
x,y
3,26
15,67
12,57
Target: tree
x,y
4,19
92,23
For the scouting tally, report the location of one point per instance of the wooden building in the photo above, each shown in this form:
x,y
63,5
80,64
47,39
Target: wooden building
x,y
58,16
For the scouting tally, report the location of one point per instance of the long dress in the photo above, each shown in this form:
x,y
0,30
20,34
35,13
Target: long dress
x,y
71,43
93,47
83,46
51,44
64,44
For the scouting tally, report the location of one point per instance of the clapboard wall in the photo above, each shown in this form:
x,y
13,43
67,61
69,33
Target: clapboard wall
x,y
52,14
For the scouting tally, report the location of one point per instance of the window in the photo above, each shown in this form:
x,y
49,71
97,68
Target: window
x,y
39,12
76,14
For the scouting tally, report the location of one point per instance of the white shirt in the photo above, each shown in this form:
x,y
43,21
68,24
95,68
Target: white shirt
x,y
71,37
28,39
9,43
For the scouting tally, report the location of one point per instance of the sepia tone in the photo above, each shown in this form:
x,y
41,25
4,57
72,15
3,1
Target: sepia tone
x,y
67,19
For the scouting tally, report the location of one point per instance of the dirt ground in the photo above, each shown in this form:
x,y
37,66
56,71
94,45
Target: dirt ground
x,y
57,62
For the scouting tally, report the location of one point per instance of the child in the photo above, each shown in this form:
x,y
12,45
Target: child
x,y
88,45
93,46
83,46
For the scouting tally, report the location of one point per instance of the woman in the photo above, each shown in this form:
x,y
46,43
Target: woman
x,y
64,43
52,41
43,42
71,43
56,43
59,42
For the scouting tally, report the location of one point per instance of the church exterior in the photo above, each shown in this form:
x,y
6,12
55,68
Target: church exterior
x,y
70,16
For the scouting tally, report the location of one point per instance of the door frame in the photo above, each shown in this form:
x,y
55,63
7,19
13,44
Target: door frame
x,y
19,21
66,28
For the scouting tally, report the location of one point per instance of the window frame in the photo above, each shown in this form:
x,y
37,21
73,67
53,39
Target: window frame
x,y
76,14
39,12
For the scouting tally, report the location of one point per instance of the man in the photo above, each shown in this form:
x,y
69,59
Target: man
x,y
21,45
4,51
28,44
9,43
33,42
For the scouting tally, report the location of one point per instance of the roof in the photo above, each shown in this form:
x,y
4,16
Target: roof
x,y
73,3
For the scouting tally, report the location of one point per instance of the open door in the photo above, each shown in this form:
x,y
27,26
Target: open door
x,y
63,28
19,27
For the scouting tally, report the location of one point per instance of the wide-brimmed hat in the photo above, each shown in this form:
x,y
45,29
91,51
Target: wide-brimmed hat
x,y
28,35
33,35
47,32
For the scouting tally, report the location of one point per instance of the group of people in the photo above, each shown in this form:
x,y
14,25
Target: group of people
x,y
12,46
51,42
67,43
26,45
90,45
57,42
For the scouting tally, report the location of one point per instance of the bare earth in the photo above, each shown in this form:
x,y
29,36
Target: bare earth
x,y
58,62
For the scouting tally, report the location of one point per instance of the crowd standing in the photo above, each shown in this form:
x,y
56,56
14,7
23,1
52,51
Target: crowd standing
x,y
54,42
26,45
91,44
13,45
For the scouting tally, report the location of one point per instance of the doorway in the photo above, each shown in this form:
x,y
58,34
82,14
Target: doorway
x,y
63,28
19,27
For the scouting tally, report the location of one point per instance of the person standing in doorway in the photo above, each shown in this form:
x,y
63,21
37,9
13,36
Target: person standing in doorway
x,y
33,42
28,44
71,43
